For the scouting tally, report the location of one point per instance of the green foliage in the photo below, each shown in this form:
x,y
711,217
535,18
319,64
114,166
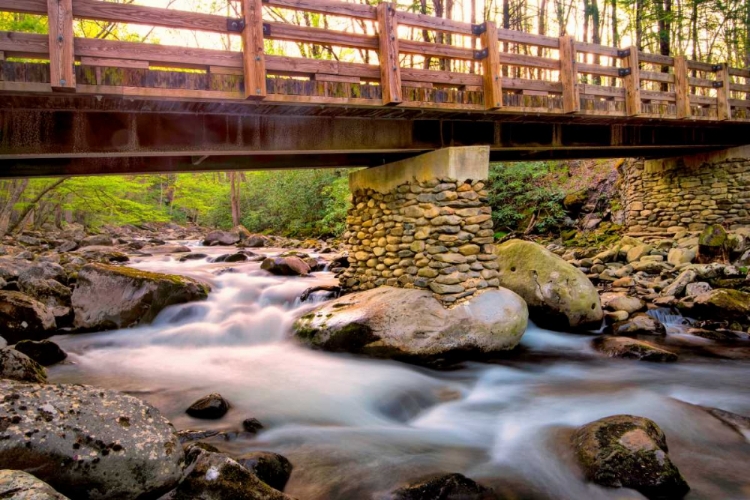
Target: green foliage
x,y
518,196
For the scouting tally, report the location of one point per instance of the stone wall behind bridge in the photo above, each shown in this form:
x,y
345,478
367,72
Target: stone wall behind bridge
x,y
423,223
688,193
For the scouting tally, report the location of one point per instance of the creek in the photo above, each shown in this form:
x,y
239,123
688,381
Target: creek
x,y
355,428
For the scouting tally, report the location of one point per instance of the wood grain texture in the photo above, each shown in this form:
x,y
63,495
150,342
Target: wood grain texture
x,y
390,70
569,75
61,53
491,70
632,83
682,87
253,56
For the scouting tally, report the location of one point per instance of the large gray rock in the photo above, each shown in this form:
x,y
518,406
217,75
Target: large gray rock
x,y
411,324
88,443
213,476
100,240
15,365
20,485
559,296
51,293
22,317
623,451
110,297
221,238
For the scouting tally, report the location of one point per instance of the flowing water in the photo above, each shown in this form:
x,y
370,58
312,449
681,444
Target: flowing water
x,y
354,428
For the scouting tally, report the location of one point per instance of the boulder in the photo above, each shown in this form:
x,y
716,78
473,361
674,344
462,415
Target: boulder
x,y
639,324
413,325
22,317
213,476
637,252
713,236
271,468
164,249
558,295
680,283
97,240
44,270
193,256
45,352
20,485
623,347
51,293
67,246
679,256
87,442
721,303
101,254
286,266
111,297
251,425
443,487
623,451
209,407
255,241
621,302
231,257
698,288
224,238
15,365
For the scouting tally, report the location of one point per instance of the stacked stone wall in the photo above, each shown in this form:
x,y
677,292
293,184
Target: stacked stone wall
x,y
434,234
686,194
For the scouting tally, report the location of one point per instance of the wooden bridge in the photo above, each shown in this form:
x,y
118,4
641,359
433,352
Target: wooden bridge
x,y
83,105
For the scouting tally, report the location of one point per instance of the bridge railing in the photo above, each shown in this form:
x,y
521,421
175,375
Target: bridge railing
x,y
480,67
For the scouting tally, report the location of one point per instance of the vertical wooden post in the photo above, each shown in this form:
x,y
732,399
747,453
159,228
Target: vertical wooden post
x,y
252,44
723,110
569,75
682,87
390,68
61,54
632,83
493,83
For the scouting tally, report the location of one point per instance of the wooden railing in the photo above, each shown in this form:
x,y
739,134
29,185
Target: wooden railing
x,y
487,68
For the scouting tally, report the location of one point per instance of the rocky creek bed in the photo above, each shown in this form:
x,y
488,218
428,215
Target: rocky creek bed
x,y
559,416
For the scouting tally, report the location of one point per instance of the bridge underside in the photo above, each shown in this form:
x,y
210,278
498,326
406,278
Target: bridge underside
x,y
71,135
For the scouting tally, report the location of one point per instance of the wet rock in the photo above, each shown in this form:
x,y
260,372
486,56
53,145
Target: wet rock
x,y
622,302
254,241
411,324
233,257
558,295
22,317
193,256
252,425
210,407
615,316
739,423
190,435
443,487
165,249
20,485
720,303
713,334
213,476
624,451
88,443
45,352
224,238
271,468
14,365
623,347
639,324
286,266
98,240
110,297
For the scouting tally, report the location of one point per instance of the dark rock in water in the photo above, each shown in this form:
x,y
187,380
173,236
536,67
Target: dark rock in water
x,y
221,238
739,423
443,487
714,334
45,352
15,365
213,476
252,425
639,324
88,443
623,347
110,297
232,257
254,241
285,266
623,451
210,407
721,303
20,485
271,468
98,240
22,317
190,435
193,256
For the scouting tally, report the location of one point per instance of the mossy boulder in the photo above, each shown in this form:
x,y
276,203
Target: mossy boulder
x,y
110,297
20,485
15,365
22,317
413,325
626,348
713,236
443,487
624,451
718,304
558,295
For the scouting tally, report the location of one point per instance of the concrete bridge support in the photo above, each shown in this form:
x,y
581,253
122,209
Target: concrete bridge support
x,y
423,222
687,193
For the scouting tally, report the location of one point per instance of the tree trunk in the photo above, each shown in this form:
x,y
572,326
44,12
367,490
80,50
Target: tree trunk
x,y
664,22
235,198
16,190
33,203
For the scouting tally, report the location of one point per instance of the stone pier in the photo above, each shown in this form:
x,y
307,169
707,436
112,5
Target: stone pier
x,y
424,223
675,194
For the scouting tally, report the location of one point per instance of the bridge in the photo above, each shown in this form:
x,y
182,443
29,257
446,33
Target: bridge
x,y
73,105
